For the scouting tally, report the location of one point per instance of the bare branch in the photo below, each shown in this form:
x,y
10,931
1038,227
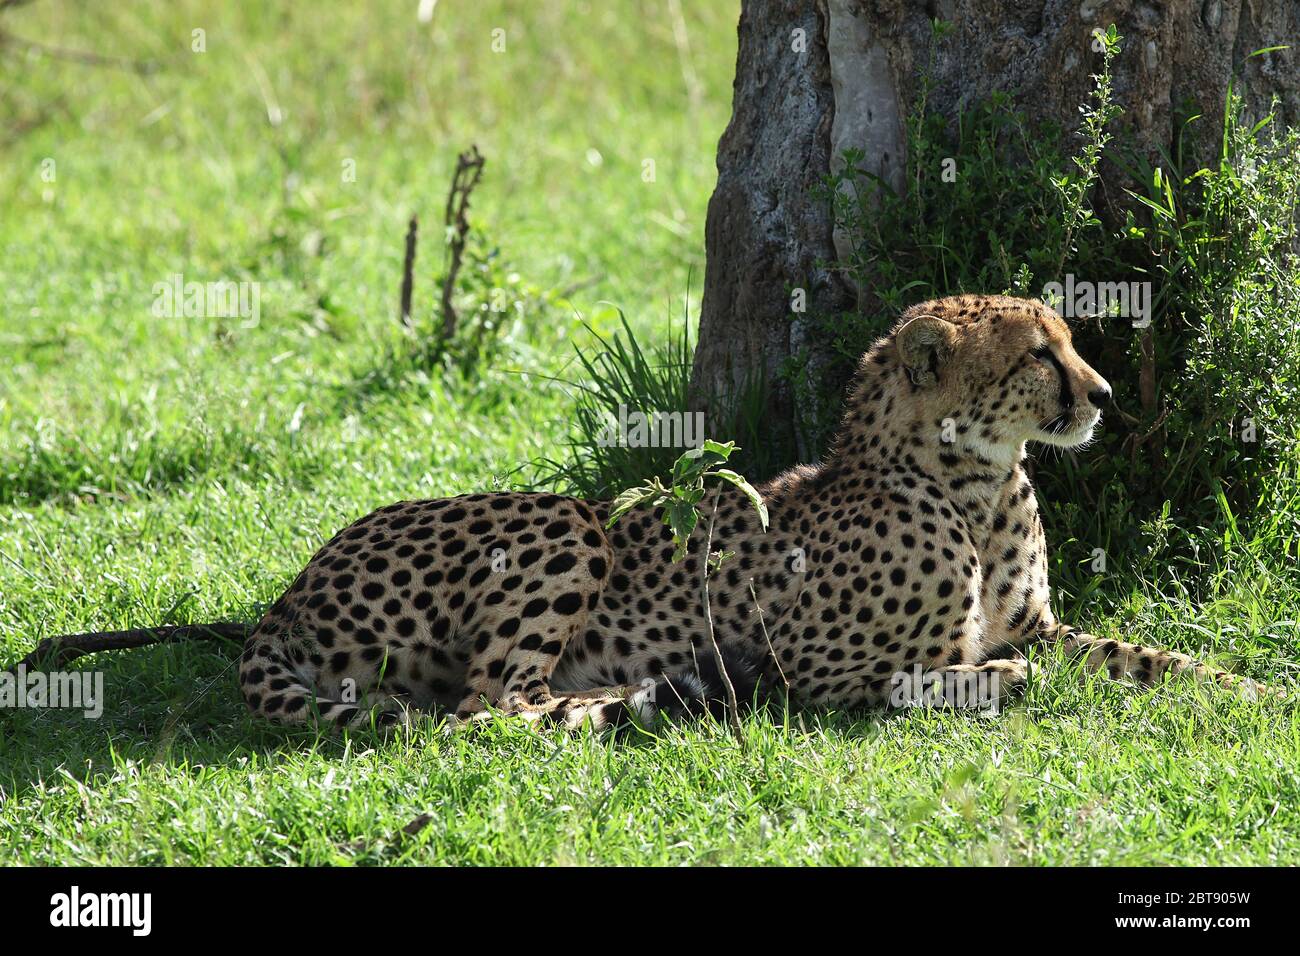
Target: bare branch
x,y
469,169
733,706
762,622
408,270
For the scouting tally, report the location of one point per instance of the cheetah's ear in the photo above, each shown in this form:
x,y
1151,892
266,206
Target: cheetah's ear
x,y
923,345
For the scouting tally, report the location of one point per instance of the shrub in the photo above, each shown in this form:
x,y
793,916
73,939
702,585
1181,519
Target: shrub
x,y
618,375
1216,368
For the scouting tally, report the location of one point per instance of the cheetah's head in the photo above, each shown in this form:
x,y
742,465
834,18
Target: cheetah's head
x,y
1004,369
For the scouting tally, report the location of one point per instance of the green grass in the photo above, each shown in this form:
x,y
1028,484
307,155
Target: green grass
x,y
156,470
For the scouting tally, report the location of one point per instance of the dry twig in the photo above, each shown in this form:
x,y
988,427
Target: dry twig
x,y
733,706
469,168
408,271
762,622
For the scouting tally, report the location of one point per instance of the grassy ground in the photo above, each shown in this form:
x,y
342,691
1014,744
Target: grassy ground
x,y
157,469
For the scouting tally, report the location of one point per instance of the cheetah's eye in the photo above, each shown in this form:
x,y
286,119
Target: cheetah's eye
x,y
1043,353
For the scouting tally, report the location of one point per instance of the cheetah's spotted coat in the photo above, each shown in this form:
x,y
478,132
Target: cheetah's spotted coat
x,y
916,542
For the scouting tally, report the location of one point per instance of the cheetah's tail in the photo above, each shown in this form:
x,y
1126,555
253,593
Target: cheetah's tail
x,y
1148,665
701,690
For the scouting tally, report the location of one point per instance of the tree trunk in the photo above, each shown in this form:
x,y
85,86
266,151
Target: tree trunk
x,y
814,77
766,236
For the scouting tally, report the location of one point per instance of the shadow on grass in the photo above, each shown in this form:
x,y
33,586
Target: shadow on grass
x,y
179,706
73,472
176,705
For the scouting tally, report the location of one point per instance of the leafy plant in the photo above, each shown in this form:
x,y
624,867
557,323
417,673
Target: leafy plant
x,y
493,304
680,498
1074,188
621,376
1220,239
620,373
1219,363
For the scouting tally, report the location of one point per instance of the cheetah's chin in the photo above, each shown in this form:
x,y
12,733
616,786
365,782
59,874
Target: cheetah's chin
x,y
1075,438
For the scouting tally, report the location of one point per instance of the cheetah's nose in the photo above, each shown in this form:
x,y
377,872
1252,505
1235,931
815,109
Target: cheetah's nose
x,y
1100,397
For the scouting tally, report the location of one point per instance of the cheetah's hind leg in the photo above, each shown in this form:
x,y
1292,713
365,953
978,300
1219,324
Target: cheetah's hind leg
x,y
275,689
987,685
604,707
689,693
518,647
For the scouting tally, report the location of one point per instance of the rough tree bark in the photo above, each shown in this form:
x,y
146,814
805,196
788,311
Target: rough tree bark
x,y
765,234
814,77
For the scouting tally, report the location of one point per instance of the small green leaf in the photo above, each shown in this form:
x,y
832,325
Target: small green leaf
x,y
679,501
723,451
682,519
628,500
726,474
692,463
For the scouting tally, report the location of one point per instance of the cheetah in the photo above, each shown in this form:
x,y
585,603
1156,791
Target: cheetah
x,y
916,544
